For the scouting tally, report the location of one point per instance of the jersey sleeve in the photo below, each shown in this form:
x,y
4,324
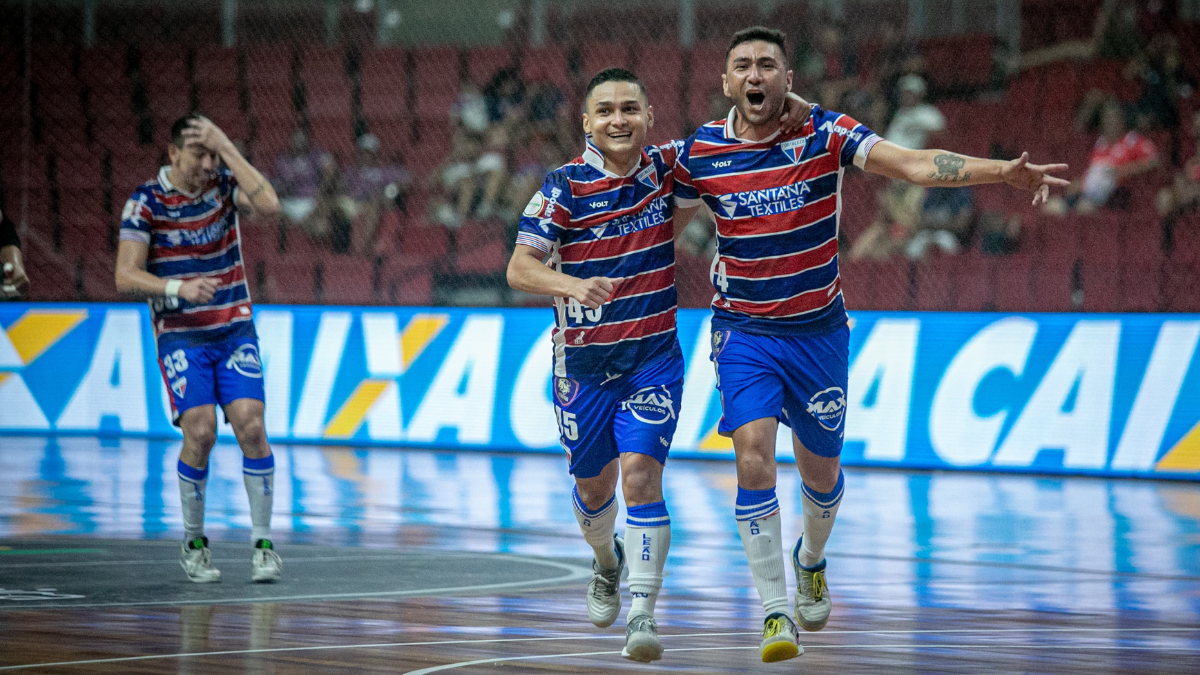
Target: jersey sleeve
x,y
686,194
546,215
846,137
136,217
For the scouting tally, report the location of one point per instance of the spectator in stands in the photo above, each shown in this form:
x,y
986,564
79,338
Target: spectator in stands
x,y
916,120
470,113
831,67
898,56
473,176
306,180
898,217
1119,156
532,167
1000,234
1116,32
1165,83
505,96
946,218
371,188
1183,195
13,280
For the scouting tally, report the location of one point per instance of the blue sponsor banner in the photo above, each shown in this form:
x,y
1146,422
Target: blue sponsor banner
x,y
1058,393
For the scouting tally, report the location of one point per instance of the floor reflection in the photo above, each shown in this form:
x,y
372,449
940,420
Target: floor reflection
x,y
959,540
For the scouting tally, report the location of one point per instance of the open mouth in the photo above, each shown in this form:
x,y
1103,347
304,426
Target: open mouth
x,y
756,98
621,136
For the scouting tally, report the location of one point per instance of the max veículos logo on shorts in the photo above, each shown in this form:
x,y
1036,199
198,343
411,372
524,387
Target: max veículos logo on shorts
x,y
828,407
652,405
245,361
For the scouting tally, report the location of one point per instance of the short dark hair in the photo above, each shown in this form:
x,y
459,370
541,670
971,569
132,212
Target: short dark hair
x,y
613,75
178,127
755,33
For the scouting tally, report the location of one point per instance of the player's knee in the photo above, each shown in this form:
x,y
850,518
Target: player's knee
x,y
252,437
201,437
755,470
642,485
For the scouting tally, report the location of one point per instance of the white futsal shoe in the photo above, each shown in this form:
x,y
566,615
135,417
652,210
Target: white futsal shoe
x,y
812,595
265,564
779,641
196,560
604,590
641,638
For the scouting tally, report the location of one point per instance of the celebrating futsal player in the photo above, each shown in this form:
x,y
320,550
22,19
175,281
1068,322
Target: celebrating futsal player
x,y
780,339
180,246
604,224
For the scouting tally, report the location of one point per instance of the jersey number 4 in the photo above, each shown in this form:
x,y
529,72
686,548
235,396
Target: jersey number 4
x,y
722,282
576,311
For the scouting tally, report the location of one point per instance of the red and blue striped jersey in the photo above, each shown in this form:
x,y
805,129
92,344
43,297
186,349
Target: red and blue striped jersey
x,y
594,223
192,235
777,204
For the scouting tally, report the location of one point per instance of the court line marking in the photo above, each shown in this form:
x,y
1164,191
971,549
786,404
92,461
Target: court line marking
x,y
291,560
574,573
382,645
481,662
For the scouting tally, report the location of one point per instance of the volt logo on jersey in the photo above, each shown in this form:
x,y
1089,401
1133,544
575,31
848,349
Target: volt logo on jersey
x,y
794,149
652,405
648,177
828,407
245,361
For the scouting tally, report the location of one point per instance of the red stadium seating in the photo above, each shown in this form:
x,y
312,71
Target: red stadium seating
x,y
935,291
484,62
1011,279
480,248
547,63
347,281
961,62
972,279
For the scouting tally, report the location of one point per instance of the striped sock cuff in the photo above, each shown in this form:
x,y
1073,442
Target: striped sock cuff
x,y
258,467
648,515
580,507
826,500
753,504
190,472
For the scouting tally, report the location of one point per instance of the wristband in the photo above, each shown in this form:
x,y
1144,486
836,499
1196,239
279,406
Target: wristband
x,y
173,288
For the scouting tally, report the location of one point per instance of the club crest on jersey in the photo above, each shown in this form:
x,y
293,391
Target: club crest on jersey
x,y
648,177
728,205
179,386
652,405
565,390
720,338
794,149
828,407
245,361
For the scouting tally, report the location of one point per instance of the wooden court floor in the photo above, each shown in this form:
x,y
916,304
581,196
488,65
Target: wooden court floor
x,y
421,562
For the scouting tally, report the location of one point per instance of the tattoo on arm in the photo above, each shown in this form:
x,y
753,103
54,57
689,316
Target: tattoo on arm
x,y
257,191
948,168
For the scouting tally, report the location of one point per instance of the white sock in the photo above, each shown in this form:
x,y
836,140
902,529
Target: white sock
x,y
647,539
259,478
761,530
820,510
191,498
597,527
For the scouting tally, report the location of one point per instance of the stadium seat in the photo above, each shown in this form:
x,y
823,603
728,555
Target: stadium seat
x,y
547,63
346,281
332,102
598,55
484,62
1011,281
289,280
215,65
335,136
958,63
935,291
481,247
972,280
80,172
427,243
269,66
322,63
99,272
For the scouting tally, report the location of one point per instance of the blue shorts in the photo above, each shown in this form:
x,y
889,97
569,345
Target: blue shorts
x,y
799,380
600,418
211,374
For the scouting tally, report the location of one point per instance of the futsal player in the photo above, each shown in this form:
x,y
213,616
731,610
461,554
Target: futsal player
x,y
603,224
780,339
14,283
180,246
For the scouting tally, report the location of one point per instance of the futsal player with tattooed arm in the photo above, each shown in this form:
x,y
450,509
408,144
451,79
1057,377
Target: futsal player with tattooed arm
x,y
780,340
603,225
180,246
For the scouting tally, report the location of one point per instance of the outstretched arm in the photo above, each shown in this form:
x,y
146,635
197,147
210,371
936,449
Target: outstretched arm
x,y
255,196
526,272
940,168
